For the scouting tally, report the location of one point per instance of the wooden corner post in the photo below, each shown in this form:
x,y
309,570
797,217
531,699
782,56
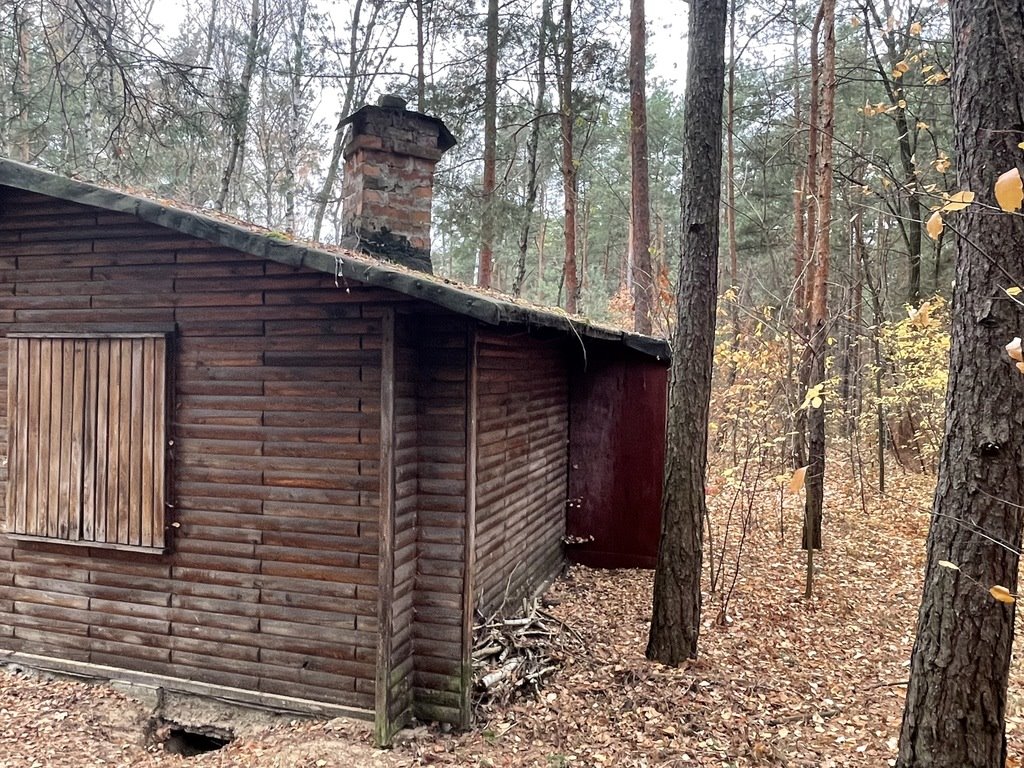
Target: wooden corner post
x,y
384,728
469,561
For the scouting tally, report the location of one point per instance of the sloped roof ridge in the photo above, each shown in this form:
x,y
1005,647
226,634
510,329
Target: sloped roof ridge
x,y
485,305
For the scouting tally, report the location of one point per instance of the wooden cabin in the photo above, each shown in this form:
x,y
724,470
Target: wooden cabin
x,y
284,475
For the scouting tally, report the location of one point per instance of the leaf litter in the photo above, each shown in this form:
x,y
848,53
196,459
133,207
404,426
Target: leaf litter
x,y
783,681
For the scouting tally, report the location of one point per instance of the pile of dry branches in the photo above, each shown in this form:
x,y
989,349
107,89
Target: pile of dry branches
x,y
513,656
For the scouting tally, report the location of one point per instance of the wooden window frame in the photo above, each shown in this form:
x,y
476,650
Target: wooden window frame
x,y
91,500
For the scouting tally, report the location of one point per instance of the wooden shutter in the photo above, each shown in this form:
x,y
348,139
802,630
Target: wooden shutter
x,y
86,436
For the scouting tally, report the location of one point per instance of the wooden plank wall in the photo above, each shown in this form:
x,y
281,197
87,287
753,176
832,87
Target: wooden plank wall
x,y
439,687
271,581
406,475
522,466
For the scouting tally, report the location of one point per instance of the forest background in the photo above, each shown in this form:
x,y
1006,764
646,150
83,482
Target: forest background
x,y
234,105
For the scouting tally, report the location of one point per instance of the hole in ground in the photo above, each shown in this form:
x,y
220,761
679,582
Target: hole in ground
x,y
188,741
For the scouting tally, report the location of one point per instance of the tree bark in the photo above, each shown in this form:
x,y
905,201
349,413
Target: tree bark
x,y
675,623
956,699
421,74
486,258
295,97
532,145
909,192
817,327
640,206
239,122
570,274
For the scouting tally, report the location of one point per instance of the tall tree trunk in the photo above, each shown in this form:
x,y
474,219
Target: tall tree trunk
x,y
818,317
242,98
956,700
294,111
361,70
798,454
569,180
421,73
640,206
23,84
909,192
675,623
324,198
485,265
532,145
730,166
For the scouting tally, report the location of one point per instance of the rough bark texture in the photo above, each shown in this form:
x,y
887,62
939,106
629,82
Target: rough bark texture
x,y
675,623
532,145
486,263
239,120
569,181
640,207
956,700
817,327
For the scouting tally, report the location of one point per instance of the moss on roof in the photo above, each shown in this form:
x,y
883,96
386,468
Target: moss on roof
x,y
486,306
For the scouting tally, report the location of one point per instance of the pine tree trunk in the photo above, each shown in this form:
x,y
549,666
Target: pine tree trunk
x,y
570,275
532,145
421,74
817,327
675,623
956,700
294,113
239,121
486,257
324,198
640,206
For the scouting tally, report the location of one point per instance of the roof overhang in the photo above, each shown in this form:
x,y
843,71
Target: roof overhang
x,y
486,306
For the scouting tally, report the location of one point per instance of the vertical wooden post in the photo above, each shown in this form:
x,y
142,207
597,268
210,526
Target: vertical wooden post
x,y
383,727
469,561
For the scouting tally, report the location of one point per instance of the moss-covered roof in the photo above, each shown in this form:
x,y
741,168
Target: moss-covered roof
x,y
484,305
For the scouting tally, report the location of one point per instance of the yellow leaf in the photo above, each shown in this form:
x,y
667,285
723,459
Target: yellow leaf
x,y
1020,367
1014,351
813,397
915,28
796,483
1010,191
1021,145
1002,594
1013,291
922,125
947,564
919,317
934,226
902,103
957,201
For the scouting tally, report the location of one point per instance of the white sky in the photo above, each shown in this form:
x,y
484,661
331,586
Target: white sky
x,y
666,24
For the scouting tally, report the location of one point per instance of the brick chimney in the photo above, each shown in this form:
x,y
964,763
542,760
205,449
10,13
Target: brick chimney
x,y
389,181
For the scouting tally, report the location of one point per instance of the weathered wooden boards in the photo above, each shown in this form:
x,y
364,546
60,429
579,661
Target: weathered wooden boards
x,y
271,578
522,466
87,419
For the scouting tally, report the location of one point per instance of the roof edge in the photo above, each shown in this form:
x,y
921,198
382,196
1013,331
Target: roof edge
x,y
486,308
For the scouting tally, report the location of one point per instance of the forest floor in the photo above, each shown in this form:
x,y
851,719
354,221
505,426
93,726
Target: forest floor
x,y
782,681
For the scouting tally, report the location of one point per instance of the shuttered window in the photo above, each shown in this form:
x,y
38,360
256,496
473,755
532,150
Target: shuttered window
x,y
86,437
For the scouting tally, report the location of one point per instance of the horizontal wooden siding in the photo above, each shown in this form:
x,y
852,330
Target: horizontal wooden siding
x,y
271,580
522,466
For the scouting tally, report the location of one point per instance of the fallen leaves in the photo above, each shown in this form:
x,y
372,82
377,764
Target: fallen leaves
x,y
790,682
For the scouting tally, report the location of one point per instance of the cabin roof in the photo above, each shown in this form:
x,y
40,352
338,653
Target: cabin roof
x,y
480,304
